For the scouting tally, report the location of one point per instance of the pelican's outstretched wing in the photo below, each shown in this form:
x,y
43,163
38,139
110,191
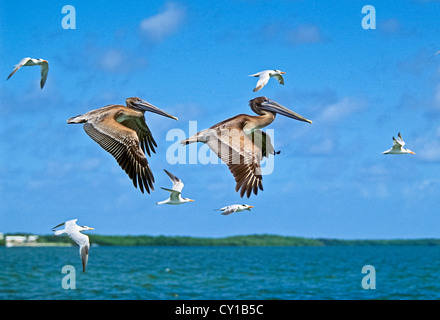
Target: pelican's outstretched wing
x,y
243,158
145,136
262,140
123,144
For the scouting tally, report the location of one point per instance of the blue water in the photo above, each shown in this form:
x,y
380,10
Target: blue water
x,y
226,273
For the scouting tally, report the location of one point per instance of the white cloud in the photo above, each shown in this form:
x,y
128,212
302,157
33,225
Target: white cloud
x,y
390,26
305,33
427,145
156,28
324,146
111,60
340,109
430,151
118,60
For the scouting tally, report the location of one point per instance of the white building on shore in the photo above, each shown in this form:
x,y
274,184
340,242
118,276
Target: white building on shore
x,y
30,241
20,241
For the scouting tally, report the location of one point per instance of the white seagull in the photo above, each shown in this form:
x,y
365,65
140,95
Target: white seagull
x,y
264,77
175,196
235,208
73,231
29,62
398,147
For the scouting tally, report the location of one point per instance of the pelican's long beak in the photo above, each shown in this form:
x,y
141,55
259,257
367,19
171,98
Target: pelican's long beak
x,y
251,206
191,200
91,228
278,108
282,72
412,152
146,106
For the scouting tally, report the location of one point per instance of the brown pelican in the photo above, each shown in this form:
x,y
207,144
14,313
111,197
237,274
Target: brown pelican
x,y
398,147
29,62
175,196
123,132
73,231
264,77
240,144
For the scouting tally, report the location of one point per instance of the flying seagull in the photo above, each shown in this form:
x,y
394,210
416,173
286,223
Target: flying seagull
x,y
398,147
264,77
73,231
175,196
29,62
235,208
239,142
123,132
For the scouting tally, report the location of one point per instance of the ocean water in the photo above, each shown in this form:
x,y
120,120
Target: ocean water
x,y
221,273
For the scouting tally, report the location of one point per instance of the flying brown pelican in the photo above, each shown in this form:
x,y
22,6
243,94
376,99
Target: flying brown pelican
x,y
29,62
397,147
240,144
123,132
264,76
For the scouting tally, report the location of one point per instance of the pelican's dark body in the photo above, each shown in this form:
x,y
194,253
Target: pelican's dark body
x,y
240,143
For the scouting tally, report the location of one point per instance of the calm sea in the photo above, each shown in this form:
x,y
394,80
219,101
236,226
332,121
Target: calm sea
x,y
222,273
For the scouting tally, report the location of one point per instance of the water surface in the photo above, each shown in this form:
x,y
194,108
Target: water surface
x,y
222,273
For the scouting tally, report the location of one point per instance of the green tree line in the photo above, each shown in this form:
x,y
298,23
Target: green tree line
x,y
245,240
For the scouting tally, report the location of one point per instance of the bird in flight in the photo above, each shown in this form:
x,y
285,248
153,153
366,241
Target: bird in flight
x,y
397,147
123,132
29,62
235,208
241,145
264,77
74,232
176,191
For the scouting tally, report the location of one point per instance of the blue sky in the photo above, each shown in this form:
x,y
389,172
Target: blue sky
x,y
192,59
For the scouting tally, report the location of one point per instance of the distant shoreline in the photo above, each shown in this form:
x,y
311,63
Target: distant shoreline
x,y
243,240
